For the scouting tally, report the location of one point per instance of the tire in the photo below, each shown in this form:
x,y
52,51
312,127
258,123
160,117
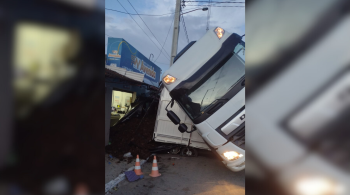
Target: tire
x,y
176,150
189,152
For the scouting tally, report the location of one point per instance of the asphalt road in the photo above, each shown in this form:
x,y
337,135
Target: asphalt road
x,y
203,175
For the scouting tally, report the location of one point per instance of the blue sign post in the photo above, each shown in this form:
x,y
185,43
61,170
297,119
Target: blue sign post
x,y
122,54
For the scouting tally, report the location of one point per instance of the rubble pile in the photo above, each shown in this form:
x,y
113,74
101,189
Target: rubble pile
x,y
133,135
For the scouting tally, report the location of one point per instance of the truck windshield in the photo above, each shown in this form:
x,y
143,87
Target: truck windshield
x,y
197,100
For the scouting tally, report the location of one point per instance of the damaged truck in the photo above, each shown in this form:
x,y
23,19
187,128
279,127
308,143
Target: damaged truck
x,y
207,81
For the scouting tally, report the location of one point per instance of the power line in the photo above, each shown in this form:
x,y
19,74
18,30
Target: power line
x,y
136,14
149,14
216,1
143,30
166,36
219,6
147,27
226,6
184,25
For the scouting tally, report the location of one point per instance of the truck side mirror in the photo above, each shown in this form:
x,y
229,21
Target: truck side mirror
x,y
182,128
173,117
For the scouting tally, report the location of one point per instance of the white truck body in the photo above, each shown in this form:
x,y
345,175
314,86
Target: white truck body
x,y
310,105
206,71
165,131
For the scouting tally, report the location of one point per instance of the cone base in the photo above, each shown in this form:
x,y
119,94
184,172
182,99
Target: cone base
x,y
155,175
139,173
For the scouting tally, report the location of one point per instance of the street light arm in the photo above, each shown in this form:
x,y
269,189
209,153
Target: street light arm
x,y
196,10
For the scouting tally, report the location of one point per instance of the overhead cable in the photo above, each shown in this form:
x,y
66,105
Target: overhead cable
x,y
216,1
185,30
193,9
143,30
148,27
166,36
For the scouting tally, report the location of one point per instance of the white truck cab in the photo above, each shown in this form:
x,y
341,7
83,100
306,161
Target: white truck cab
x,y
207,80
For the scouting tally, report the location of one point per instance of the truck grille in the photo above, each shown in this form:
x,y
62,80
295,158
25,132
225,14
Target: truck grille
x,y
239,139
335,146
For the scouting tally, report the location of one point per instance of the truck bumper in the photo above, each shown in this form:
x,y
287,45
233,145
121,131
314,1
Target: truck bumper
x,y
217,143
233,165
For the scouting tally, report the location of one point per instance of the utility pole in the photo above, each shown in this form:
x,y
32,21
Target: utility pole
x,y
175,31
208,16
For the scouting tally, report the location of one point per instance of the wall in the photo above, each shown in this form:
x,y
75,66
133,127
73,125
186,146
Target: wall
x,y
108,99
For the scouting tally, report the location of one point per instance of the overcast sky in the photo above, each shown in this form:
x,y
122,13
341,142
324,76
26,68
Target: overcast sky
x,y
120,25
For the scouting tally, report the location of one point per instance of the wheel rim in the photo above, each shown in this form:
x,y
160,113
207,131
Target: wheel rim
x,y
175,150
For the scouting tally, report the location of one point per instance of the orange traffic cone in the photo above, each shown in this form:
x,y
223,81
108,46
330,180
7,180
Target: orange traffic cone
x,y
155,172
138,166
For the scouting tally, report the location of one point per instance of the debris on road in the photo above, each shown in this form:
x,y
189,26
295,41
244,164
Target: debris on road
x,y
121,177
131,176
127,155
130,136
57,185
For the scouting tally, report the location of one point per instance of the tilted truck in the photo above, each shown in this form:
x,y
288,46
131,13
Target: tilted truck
x,y
207,80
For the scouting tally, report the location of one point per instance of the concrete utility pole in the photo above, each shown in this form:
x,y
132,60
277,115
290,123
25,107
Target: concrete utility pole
x,y
175,31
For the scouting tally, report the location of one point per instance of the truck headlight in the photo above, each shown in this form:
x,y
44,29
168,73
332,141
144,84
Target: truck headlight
x,y
232,155
169,79
219,32
317,186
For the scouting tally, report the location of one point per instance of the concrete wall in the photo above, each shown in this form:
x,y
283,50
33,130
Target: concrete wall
x,y
108,101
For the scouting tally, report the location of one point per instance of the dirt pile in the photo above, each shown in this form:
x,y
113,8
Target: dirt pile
x,y
131,136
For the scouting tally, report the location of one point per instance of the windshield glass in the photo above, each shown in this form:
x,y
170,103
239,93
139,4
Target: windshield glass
x,y
216,86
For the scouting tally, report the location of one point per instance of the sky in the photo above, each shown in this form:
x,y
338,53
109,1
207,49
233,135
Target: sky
x,y
120,25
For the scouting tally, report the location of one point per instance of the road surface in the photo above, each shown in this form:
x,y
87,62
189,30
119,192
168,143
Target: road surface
x,y
203,175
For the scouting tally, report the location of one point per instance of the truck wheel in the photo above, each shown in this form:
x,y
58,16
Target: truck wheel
x,y
190,152
175,150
